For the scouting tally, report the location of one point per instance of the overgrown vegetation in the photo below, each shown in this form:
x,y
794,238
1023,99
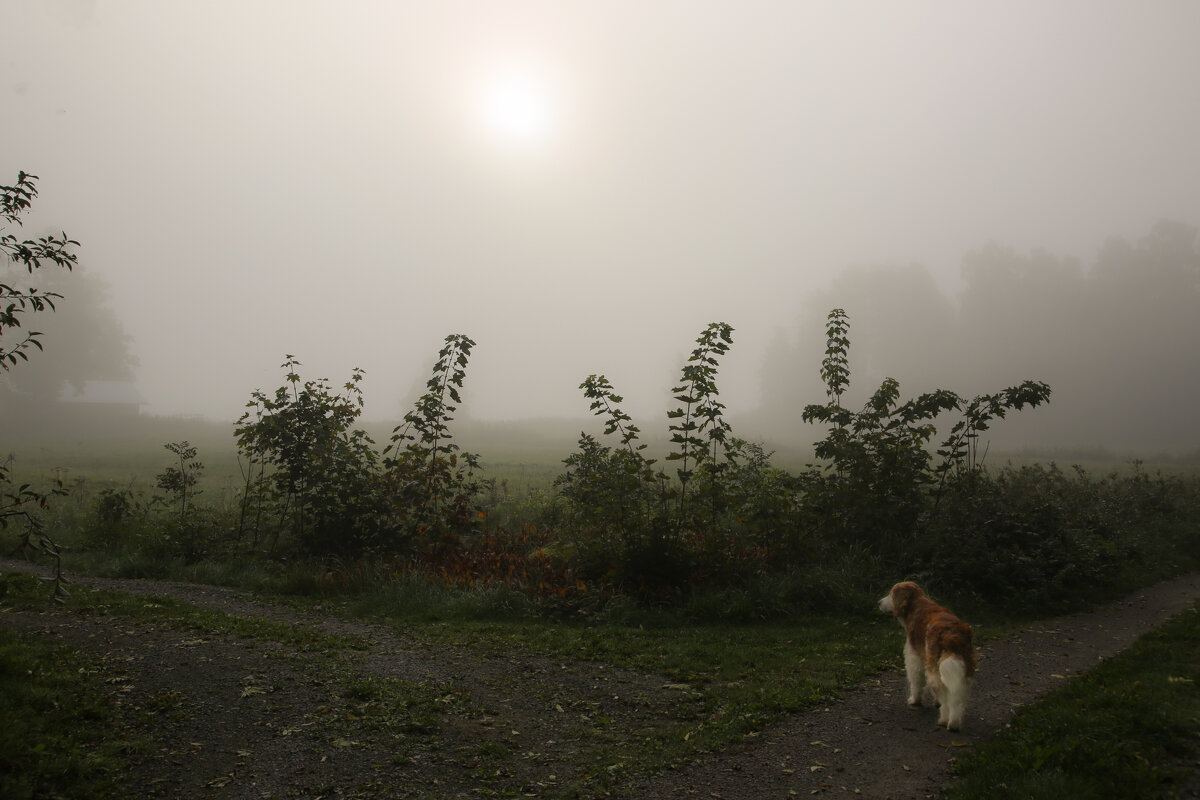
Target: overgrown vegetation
x,y
714,529
313,476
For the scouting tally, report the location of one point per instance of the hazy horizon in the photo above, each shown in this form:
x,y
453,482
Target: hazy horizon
x,y
582,187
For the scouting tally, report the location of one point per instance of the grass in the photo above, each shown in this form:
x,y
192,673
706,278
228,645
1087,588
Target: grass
x,y
746,677
514,454
62,735
743,676
731,680
1127,730
520,456
65,737
23,593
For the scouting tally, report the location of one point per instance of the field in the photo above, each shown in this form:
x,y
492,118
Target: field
x,y
520,456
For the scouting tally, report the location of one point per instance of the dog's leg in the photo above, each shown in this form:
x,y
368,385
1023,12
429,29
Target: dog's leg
x,y
939,696
914,668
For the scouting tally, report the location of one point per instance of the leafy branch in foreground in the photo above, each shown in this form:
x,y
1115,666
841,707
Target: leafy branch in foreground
x,y
879,455
424,428
606,402
835,367
424,457
181,481
30,254
700,428
17,502
609,489
961,450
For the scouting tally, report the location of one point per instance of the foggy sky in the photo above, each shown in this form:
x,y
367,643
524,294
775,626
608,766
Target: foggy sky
x,y
253,179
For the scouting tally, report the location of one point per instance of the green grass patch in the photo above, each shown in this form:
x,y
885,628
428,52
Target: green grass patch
x,y
25,592
715,684
62,736
1128,729
746,676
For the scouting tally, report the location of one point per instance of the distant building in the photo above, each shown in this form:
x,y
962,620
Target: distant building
x,y
99,401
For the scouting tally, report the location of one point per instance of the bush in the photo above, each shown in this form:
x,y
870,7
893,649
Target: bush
x,y
880,478
310,473
728,536
1037,537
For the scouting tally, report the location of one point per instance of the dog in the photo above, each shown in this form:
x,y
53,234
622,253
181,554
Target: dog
x,y
939,649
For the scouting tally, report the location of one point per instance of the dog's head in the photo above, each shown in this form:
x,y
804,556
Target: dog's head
x,y
900,599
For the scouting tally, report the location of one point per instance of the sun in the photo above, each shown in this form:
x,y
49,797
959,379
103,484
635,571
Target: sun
x,y
515,109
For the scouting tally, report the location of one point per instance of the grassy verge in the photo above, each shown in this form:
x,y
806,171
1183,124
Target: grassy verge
x,y
62,735
738,679
24,593
68,738
1128,729
745,677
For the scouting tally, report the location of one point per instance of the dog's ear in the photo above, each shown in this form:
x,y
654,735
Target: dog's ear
x,y
903,597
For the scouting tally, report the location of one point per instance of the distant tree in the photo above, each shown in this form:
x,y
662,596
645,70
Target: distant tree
x,y
1020,312
1144,303
88,341
15,304
1115,337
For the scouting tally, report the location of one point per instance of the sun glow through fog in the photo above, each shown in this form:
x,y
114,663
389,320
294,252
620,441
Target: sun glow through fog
x,y
515,109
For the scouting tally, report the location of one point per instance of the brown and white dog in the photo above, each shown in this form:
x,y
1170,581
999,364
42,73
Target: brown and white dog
x,y
939,649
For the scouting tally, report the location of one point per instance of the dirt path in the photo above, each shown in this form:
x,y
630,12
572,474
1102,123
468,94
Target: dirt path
x,y
239,717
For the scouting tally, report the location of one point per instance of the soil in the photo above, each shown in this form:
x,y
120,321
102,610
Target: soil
x,y
240,717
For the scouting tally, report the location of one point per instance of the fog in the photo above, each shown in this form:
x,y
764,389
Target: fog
x,y
993,191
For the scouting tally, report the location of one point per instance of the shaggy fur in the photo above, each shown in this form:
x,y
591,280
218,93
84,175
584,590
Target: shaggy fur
x,y
939,650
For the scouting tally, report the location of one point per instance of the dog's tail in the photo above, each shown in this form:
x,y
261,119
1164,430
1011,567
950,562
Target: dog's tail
x,y
959,639
953,671
956,677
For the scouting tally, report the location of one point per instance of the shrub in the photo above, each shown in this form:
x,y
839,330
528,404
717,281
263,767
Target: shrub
x,y
116,521
715,521
876,484
1037,537
308,471
435,480
322,467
